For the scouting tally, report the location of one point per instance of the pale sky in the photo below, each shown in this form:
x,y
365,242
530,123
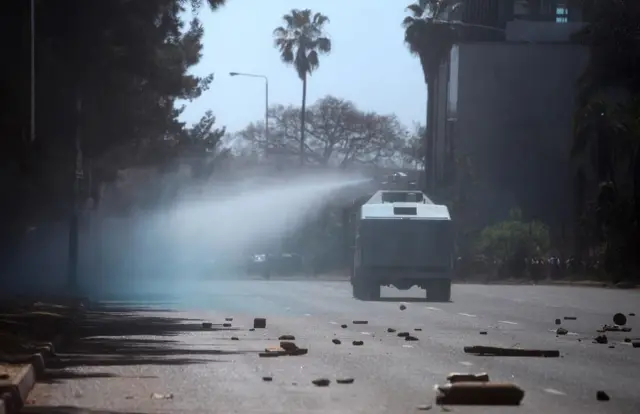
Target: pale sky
x,y
369,64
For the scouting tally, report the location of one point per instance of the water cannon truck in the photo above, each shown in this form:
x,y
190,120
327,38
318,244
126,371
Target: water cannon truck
x,y
403,240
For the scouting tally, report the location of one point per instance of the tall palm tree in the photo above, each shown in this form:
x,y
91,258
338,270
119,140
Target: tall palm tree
x,y
431,39
300,41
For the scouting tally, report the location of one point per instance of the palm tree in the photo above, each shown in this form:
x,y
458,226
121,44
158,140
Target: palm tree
x,y
431,39
300,41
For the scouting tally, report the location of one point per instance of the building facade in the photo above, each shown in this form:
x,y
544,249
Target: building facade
x,y
505,106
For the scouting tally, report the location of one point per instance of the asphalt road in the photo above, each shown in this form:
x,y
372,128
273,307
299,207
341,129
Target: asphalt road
x,y
391,375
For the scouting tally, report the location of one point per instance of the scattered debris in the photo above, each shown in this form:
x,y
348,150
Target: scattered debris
x,y
635,344
602,396
632,314
207,325
336,341
158,396
403,306
410,338
235,338
570,318
620,319
228,319
226,325
417,329
267,379
360,322
358,343
259,323
562,331
601,339
456,377
391,330
479,393
483,332
298,352
612,346
321,382
288,346
269,354
614,328
516,352
287,338
627,340
343,326
252,329
558,321
403,334
345,380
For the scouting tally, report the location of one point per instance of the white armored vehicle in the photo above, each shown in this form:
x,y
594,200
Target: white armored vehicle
x,y
403,239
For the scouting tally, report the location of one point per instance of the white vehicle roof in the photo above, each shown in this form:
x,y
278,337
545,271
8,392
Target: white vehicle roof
x,y
405,211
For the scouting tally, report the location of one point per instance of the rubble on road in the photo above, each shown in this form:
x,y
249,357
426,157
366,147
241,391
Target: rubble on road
x,y
620,319
343,326
570,318
345,380
259,323
403,306
562,331
158,396
479,393
235,338
228,319
288,346
602,396
601,339
321,382
558,321
632,314
267,379
391,330
511,352
635,344
455,377
207,325
403,334
360,322
336,341
358,343
483,332
410,338
417,329
287,338
614,328
226,325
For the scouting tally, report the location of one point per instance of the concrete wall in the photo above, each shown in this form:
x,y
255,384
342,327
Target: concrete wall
x,y
514,109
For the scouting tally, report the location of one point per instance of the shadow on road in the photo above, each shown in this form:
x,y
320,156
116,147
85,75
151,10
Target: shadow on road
x,y
69,410
117,336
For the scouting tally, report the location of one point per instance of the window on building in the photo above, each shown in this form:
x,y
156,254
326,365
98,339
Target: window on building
x,y
562,14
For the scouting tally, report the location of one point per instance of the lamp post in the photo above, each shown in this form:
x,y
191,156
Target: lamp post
x,y
266,99
32,13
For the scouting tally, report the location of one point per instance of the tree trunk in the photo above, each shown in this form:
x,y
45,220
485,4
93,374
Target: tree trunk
x,y
302,117
429,138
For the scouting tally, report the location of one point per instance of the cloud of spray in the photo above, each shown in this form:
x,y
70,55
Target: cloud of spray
x,y
213,224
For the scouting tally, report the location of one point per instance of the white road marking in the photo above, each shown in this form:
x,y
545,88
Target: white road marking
x,y
333,322
508,322
467,314
466,363
553,391
433,308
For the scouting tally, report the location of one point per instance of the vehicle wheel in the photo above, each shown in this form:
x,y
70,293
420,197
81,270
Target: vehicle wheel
x,y
439,290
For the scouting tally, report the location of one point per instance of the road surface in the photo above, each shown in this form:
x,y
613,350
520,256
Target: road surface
x,y
208,372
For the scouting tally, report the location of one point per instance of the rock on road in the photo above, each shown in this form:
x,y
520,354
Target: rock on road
x,y
390,375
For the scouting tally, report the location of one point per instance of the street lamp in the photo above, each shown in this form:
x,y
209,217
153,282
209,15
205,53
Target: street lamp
x,y
266,99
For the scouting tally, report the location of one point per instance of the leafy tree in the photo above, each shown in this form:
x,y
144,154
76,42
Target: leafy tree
x,y
513,240
430,38
300,42
338,134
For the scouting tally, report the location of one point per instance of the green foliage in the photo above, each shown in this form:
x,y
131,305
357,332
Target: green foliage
x,y
513,237
302,39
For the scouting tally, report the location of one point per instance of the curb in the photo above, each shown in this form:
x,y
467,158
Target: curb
x,y
14,392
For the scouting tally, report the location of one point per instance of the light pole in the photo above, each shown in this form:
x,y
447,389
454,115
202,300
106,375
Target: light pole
x,y
32,13
266,99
